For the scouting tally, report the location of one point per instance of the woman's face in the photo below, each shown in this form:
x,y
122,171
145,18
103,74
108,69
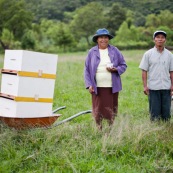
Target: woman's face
x,y
103,41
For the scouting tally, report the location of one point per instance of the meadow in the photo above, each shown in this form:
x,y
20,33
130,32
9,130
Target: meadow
x,y
132,145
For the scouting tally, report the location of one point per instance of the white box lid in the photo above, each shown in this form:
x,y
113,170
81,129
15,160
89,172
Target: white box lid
x,y
23,60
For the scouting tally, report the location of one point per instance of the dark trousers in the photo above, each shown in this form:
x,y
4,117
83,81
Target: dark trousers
x,y
160,104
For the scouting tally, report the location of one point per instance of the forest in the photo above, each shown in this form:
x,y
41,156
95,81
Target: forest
x,y
68,26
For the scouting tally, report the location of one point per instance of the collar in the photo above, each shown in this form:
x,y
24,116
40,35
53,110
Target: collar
x,y
155,48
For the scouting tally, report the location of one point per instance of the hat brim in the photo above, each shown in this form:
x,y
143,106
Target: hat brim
x,y
160,32
96,36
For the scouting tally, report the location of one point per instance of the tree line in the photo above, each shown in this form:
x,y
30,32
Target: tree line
x,y
55,26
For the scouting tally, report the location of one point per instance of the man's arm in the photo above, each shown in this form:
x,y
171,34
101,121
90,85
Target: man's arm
x,y
144,79
171,76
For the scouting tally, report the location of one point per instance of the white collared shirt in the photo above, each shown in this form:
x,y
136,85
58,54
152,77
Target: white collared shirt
x,y
158,65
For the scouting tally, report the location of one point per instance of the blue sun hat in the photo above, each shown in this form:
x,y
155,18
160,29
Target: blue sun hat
x,y
101,32
159,32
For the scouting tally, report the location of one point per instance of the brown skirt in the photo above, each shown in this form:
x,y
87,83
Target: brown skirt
x,y
104,105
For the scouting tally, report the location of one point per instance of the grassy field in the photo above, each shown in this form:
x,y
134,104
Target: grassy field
x,y
132,145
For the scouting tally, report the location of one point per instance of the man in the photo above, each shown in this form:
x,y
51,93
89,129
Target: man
x,y
157,77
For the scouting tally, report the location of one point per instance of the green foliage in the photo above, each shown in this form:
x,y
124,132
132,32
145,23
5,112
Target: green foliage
x,y
130,18
7,38
54,9
44,34
166,18
87,20
63,37
28,40
146,7
126,34
115,17
56,34
79,21
14,17
152,20
139,19
129,45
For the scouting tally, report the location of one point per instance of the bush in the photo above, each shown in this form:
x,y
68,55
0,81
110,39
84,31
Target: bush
x,y
28,40
132,45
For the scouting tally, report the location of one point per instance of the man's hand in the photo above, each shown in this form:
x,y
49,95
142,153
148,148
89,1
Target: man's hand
x,y
171,90
146,91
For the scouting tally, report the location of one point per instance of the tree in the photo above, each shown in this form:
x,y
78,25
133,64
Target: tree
x,y
7,38
139,19
166,18
54,9
51,9
130,18
62,36
152,20
14,17
87,20
56,34
126,34
115,17
28,40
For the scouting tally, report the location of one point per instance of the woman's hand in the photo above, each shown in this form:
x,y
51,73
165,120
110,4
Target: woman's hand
x,y
111,69
91,89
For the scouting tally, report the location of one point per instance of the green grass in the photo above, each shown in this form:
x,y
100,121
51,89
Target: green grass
x,y
132,145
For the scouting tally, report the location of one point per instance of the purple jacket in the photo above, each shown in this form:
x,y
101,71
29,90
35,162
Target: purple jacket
x,y
92,61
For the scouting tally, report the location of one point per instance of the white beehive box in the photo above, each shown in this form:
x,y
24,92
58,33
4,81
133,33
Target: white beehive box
x,y
14,109
27,86
34,68
22,60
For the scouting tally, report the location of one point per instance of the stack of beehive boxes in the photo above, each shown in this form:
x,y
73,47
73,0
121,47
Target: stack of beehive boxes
x,y
27,84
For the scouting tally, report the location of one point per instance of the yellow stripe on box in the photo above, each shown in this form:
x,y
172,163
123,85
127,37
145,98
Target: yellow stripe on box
x,y
31,99
36,74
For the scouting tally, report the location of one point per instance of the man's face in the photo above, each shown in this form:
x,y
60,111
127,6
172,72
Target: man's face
x,y
159,40
103,41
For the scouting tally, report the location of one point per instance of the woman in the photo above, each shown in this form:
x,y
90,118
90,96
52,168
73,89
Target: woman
x,y
103,66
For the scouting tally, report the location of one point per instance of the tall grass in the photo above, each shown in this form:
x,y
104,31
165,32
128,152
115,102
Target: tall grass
x,y
131,145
